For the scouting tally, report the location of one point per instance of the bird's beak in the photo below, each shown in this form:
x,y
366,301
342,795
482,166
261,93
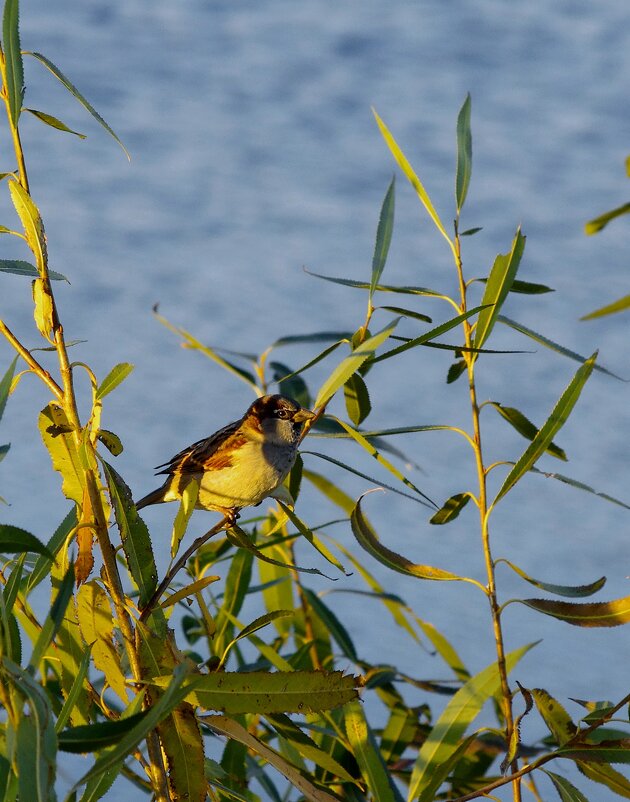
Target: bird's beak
x,y
303,415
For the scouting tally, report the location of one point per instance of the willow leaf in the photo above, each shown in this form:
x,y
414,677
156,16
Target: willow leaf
x,y
451,508
411,176
566,790
22,268
53,122
552,425
592,614
570,591
581,486
367,754
116,375
464,154
364,285
14,540
367,539
383,236
525,427
610,309
595,225
31,220
13,59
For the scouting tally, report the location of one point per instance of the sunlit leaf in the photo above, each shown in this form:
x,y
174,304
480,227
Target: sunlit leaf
x,y
552,425
367,754
432,764
351,363
592,614
559,722
367,539
525,427
497,287
610,309
571,591
111,441
13,59
54,619
75,692
54,122
189,590
116,375
411,176
32,222
187,504
383,236
597,223
604,774
451,509
464,154
41,569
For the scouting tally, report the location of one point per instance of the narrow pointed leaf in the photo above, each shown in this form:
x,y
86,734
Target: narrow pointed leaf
x,y
411,176
604,774
14,540
425,338
617,751
399,310
236,732
597,223
54,619
54,122
351,363
451,509
553,346
383,236
75,691
464,154
432,764
182,744
116,375
5,386
186,508
22,268
13,59
189,590
31,220
610,309
525,287
566,790
314,337
497,287
357,399
332,624
581,486
239,538
367,538
134,535
315,542
42,565
364,285
93,737
367,754
525,427
570,591
552,425
74,91
592,614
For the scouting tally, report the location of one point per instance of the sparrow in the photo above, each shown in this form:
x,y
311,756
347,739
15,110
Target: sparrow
x,y
241,464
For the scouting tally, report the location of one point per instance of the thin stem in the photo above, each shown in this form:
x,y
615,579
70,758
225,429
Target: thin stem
x,y
484,514
33,364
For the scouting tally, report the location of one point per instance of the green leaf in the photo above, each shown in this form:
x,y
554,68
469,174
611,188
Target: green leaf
x,y
295,387
5,386
93,737
315,542
54,619
597,223
13,59
433,764
116,375
571,591
399,310
592,614
36,747
554,715
411,176
428,335
605,775
111,441
187,504
552,425
464,154
367,754
610,309
497,287
553,345
237,584
134,535
55,431
383,236
262,693
351,364
53,122
581,486
451,509
617,751
566,790
74,91
14,540
75,691
524,287
357,399
332,624
364,285
31,220
22,268
455,371
367,538
42,565
525,427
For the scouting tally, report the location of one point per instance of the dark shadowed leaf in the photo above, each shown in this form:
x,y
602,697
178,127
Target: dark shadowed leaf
x,y
5,385
464,154
357,399
22,268
55,617
571,591
332,624
451,508
92,737
364,285
13,59
383,236
525,427
581,486
566,790
399,310
53,122
14,540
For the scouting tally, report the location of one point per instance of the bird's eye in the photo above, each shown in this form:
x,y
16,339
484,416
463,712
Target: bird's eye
x,y
283,413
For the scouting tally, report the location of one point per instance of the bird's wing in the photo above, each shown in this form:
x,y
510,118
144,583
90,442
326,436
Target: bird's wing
x,y
202,455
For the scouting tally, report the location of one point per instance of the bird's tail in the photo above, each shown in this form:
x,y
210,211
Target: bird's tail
x,y
156,497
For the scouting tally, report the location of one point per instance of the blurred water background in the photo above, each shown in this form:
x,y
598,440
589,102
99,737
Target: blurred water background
x,y
254,154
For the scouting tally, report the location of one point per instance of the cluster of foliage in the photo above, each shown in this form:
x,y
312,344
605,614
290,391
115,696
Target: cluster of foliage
x,y
104,674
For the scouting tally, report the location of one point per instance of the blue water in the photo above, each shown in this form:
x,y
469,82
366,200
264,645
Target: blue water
x,y
254,154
